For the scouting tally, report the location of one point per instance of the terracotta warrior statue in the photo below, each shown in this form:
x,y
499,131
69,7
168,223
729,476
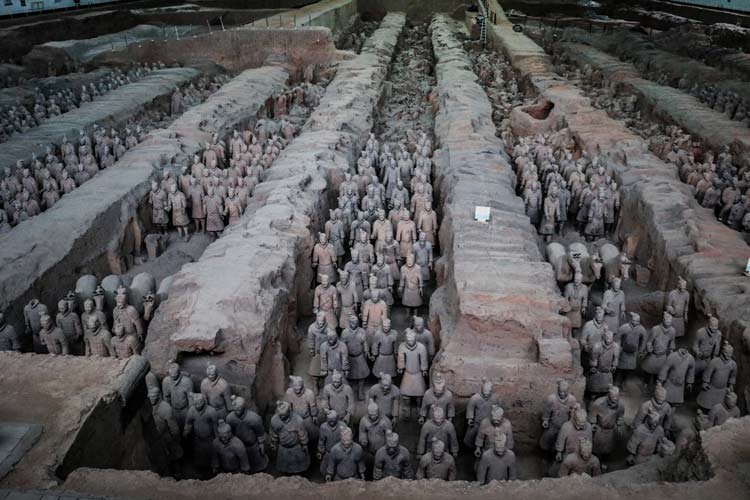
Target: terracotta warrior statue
x,y
247,426
52,337
177,204
229,454
200,426
217,392
490,428
411,285
392,459
602,364
304,404
646,440
556,411
373,428
176,388
437,395
581,462
658,403
289,436
97,339
358,351
425,337
9,339
412,364
316,337
334,356
338,396
158,200
678,304
436,464
719,377
127,315
197,205
721,412
577,295
346,459
607,418
387,397
166,425
632,339
324,260
497,463
707,345
658,347
571,432
383,350
374,313
677,374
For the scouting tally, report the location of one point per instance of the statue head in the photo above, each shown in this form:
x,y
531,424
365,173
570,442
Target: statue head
x,y
353,321
578,279
563,389
584,449
212,373
332,418
391,442
666,320
199,400
375,295
283,409
438,414
607,337
173,370
45,321
62,306
331,337
500,443
713,323
579,418
93,323
599,314
616,283
411,337
238,404
373,411
410,260
652,419
385,381
154,395
438,449
438,385
635,319
224,431
730,400
613,395
727,351
660,394
347,437
496,415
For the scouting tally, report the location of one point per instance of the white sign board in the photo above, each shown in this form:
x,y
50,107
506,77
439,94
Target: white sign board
x,y
482,214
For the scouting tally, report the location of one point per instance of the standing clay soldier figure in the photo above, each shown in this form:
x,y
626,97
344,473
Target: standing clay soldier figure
x,y
324,260
338,396
676,374
347,298
247,426
197,205
122,345
571,433
177,204
200,425
217,392
533,201
725,410
658,403
557,410
127,315
177,388
719,376
166,425
374,313
423,257
326,300
383,350
392,460
497,463
329,436
316,337
97,339
411,285
229,454
658,347
346,460
213,208
436,464
89,311
550,215
52,337
406,234
577,295
289,437
607,418
70,324
373,428
596,216
356,345
604,359
678,304
613,303
437,395
427,224
424,336
707,345
387,397
158,200
176,107
303,404
632,339
581,462
32,315
232,206
9,339
646,440
490,428
412,364
437,427
334,356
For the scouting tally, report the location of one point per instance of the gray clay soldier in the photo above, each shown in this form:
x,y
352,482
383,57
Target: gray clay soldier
x,y
346,459
52,337
381,277
387,397
383,350
176,388
324,259
334,356
678,304
479,407
658,347
200,426
392,459
9,339
303,404
247,426
127,315
373,428
326,300
557,410
596,215
358,351
97,339
316,337
329,435
158,200
677,374
424,336
607,418
288,434
581,462
632,339
423,257
339,397
646,440
69,322
334,229
358,273
603,363
571,432
347,297
721,412
613,303
197,212
707,345
213,208
436,464
577,295
166,425
658,403
437,427
374,312
229,454
411,284
177,204
489,428
89,310
719,376
217,392
32,314
122,345
437,395
497,463
591,334
412,365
